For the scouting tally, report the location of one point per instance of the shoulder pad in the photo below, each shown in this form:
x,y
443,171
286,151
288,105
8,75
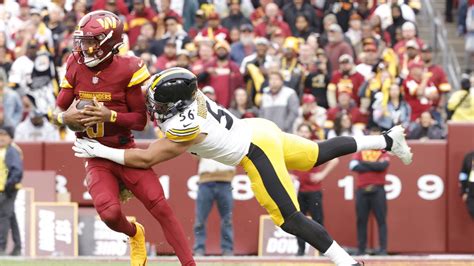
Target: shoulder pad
x,y
183,126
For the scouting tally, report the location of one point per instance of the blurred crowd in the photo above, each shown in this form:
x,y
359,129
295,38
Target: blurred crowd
x,y
338,66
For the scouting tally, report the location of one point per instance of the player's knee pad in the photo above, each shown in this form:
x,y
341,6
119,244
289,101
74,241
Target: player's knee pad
x,y
299,225
293,223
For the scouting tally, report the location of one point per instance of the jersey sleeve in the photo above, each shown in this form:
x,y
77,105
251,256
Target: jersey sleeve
x,y
67,81
183,126
139,72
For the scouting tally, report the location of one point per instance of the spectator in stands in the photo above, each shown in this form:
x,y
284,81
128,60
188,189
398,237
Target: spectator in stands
x,y
11,102
425,127
142,45
411,55
354,33
235,19
139,16
313,115
383,11
466,26
199,24
461,102
271,23
408,33
114,6
337,46
56,25
368,58
466,180
40,31
329,19
34,77
183,59
303,28
215,184
10,177
168,58
438,76
343,12
419,91
345,78
223,74
214,29
317,81
291,69
245,46
300,8
258,15
394,111
5,59
254,69
371,167
165,11
344,127
174,33
36,127
241,105
206,56
398,21
310,197
345,104
279,103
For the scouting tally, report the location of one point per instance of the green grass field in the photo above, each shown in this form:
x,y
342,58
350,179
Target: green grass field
x,y
467,260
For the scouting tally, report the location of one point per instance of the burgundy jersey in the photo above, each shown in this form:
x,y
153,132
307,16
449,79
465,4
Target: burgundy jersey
x,y
113,87
306,185
371,177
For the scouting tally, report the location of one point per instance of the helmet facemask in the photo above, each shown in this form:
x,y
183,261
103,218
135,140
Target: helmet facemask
x,y
162,111
90,48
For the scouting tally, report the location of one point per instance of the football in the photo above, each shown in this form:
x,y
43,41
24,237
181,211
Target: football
x,y
82,104
77,127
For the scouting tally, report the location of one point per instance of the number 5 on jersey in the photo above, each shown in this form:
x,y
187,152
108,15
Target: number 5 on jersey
x,y
96,131
220,113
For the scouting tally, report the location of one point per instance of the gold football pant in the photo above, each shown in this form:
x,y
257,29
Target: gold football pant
x,y
272,153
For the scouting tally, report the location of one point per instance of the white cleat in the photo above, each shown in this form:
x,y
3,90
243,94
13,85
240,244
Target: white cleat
x,y
399,146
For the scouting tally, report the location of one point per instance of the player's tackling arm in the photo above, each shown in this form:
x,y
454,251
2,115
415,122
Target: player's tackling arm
x,y
159,151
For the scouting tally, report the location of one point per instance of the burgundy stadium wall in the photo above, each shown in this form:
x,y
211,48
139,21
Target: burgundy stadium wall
x,y
425,212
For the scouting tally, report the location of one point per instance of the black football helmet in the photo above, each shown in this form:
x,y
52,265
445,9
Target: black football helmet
x,y
170,92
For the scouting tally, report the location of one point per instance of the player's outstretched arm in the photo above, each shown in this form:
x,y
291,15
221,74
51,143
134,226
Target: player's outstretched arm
x,y
159,151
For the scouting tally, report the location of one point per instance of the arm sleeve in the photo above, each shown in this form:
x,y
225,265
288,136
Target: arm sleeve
x,y
135,119
15,166
356,166
65,98
362,166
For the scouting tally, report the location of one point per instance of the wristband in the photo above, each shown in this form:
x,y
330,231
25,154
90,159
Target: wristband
x,y
60,118
113,116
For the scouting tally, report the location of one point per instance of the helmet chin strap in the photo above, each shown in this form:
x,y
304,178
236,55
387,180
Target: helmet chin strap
x,y
94,62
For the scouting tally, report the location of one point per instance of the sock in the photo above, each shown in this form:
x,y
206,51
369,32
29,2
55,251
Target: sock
x,y
173,232
370,142
338,255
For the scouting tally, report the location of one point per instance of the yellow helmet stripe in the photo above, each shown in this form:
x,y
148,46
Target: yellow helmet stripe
x,y
165,75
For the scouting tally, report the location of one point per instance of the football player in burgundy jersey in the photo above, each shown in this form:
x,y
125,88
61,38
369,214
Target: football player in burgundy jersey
x,y
113,83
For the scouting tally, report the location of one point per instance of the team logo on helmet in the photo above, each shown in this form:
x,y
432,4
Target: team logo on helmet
x,y
97,37
170,91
